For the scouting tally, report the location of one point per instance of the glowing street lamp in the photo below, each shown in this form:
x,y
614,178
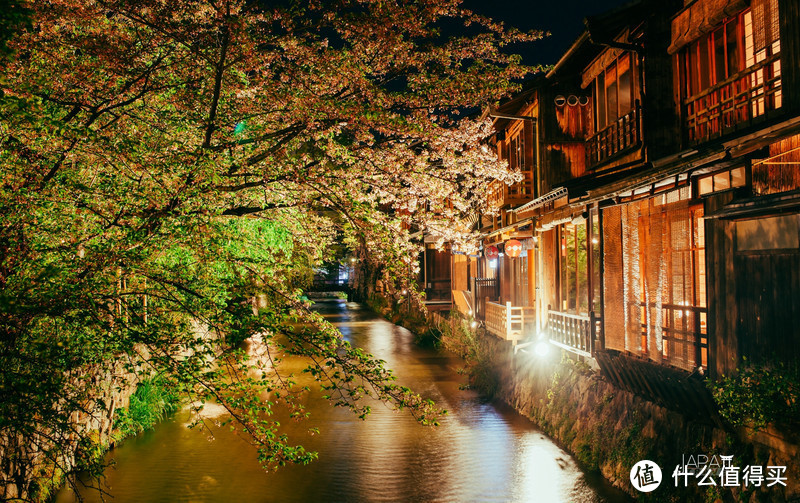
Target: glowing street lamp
x,y
542,348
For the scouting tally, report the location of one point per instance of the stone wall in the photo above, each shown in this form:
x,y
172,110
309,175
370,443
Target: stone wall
x,y
31,470
609,429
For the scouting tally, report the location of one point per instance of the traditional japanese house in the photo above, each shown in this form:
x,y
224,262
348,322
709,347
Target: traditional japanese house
x,y
658,219
697,209
503,286
624,240
436,275
737,90
541,133
442,269
602,136
566,239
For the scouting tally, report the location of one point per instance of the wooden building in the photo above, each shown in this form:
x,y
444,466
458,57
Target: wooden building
x,y
618,68
506,293
738,96
659,212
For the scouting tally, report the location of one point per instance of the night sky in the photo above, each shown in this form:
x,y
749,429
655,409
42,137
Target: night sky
x,y
562,18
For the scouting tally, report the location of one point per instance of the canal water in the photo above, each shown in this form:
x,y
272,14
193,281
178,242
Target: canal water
x,y
480,452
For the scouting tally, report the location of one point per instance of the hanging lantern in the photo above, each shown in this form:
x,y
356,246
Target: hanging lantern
x,y
513,248
491,252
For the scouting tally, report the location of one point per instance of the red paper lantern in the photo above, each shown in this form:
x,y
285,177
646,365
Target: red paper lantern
x,y
513,248
491,253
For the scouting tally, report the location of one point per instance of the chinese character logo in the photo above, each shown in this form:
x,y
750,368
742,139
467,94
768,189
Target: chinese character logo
x,y
719,471
645,476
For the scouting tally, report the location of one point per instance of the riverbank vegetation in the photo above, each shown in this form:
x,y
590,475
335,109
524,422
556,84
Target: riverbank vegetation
x,y
457,336
172,173
152,402
758,395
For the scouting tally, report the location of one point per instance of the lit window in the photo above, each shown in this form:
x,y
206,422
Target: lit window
x,y
614,92
732,74
724,180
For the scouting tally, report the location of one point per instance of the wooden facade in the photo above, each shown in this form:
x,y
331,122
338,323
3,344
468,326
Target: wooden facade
x,y
565,120
755,280
660,233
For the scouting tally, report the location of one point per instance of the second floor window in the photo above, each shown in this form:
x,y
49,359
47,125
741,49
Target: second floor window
x,y
732,74
616,118
516,148
614,92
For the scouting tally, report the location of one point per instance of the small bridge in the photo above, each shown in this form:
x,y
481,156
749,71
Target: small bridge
x,y
330,285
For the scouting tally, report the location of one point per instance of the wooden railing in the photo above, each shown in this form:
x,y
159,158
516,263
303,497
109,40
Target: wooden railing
x,y
573,332
619,136
683,329
501,194
485,287
506,321
734,102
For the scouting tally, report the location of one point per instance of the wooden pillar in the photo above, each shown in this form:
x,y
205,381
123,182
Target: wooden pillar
x,y
508,320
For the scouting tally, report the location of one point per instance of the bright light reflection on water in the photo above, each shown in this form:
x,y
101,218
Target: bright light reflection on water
x,y
481,452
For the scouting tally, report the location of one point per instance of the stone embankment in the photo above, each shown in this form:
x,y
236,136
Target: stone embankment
x,y
609,429
35,464
31,468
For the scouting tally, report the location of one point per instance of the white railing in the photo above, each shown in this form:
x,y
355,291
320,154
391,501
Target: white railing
x,y
506,321
573,332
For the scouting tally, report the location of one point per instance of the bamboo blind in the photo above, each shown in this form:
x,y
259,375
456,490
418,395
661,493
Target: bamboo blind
x,y
651,254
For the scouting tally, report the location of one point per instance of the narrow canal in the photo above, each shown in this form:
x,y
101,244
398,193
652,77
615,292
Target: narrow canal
x,y
480,452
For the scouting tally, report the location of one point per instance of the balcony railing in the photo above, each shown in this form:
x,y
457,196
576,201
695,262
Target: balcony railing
x,y
502,195
683,333
619,136
507,321
573,332
734,102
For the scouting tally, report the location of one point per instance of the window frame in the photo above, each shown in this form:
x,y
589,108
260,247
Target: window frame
x,y
737,177
690,56
717,96
573,284
600,100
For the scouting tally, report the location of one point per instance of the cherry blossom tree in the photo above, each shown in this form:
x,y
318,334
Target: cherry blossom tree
x,y
165,163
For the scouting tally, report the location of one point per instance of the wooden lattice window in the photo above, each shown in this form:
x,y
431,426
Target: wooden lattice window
x,y
654,280
732,74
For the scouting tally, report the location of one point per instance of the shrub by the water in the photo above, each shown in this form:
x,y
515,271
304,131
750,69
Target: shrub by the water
x,y
759,395
151,403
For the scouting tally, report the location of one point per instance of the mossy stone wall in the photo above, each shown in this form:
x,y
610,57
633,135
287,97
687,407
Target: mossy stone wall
x,y
609,429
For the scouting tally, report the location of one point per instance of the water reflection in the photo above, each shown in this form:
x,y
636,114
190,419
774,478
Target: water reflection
x,y
481,451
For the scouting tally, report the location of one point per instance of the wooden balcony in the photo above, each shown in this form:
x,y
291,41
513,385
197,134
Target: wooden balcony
x,y
507,321
620,136
735,102
573,332
503,196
